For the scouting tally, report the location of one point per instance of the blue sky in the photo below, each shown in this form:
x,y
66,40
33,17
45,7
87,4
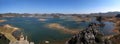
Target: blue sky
x,y
58,6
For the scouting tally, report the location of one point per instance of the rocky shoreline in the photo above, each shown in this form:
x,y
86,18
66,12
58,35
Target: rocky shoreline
x,y
90,35
12,35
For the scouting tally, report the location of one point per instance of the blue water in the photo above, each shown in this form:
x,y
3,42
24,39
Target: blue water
x,y
37,31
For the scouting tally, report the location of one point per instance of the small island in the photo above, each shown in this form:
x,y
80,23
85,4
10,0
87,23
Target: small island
x,y
2,21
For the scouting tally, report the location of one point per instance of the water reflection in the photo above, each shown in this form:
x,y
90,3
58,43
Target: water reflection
x,y
108,28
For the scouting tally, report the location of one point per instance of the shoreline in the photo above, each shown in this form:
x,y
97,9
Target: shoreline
x,y
2,21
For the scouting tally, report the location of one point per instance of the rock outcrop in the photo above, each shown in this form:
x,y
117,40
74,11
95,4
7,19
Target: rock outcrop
x,y
3,39
21,40
90,35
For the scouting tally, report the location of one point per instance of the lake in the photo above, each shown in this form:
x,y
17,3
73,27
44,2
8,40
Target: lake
x,y
38,32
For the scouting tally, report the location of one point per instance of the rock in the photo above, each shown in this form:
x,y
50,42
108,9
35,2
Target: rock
x,y
90,35
117,16
47,42
3,39
115,39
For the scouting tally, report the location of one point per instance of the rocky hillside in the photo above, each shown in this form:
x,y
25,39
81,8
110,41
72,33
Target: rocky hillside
x,y
90,35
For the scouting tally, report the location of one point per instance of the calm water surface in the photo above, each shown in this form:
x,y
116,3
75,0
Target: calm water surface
x,y
37,31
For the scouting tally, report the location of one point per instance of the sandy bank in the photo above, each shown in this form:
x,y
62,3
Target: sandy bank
x,y
41,19
2,21
7,29
62,28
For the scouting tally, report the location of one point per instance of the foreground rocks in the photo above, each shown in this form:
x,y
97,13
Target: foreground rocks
x,y
90,35
3,39
12,35
115,39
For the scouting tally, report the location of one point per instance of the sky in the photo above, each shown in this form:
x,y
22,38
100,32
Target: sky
x,y
58,6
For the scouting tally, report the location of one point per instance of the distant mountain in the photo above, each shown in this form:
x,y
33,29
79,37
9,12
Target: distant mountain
x,y
105,14
61,14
